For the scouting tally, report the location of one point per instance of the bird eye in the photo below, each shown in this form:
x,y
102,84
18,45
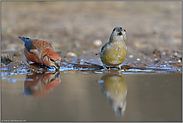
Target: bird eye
x,y
114,29
52,60
124,30
52,79
27,38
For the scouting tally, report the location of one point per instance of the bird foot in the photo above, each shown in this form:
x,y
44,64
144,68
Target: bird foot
x,y
105,68
119,67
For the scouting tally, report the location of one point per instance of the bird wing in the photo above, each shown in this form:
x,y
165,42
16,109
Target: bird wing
x,y
33,45
104,47
40,45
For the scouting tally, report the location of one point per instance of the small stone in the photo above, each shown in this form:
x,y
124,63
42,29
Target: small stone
x,y
130,56
72,56
179,61
175,53
163,53
97,42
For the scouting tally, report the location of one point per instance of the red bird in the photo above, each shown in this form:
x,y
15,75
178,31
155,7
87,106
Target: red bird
x,y
39,51
40,85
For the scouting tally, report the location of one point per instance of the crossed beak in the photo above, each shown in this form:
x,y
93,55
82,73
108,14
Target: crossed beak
x,y
119,31
54,76
56,65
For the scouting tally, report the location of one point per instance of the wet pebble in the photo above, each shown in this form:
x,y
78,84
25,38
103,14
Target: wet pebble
x,y
175,53
163,53
130,56
179,61
97,42
72,56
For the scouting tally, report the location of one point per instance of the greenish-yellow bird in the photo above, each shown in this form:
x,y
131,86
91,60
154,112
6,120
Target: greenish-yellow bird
x,y
113,53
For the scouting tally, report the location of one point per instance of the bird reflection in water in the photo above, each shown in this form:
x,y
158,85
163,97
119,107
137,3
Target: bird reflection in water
x,y
40,85
114,87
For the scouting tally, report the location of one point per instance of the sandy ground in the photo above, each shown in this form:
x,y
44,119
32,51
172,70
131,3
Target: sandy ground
x,y
75,26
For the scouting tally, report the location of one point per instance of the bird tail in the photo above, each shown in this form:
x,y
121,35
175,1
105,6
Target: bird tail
x,y
97,53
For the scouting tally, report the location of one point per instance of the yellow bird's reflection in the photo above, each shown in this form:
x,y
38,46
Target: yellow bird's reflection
x,y
114,87
40,85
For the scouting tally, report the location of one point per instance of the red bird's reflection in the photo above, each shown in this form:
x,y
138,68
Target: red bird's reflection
x,y
40,85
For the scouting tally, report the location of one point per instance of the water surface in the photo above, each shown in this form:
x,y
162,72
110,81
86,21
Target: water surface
x,y
91,96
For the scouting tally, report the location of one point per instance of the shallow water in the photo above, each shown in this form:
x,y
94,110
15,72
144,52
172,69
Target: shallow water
x,y
91,96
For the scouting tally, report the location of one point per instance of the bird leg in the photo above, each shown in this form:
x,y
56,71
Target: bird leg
x,y
119,66
97,53
105,68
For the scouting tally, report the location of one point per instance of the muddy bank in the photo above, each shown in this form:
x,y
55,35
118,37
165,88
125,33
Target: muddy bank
x,y
153,29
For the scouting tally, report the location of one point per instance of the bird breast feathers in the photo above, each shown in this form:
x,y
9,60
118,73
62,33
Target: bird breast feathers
x,y
116,46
